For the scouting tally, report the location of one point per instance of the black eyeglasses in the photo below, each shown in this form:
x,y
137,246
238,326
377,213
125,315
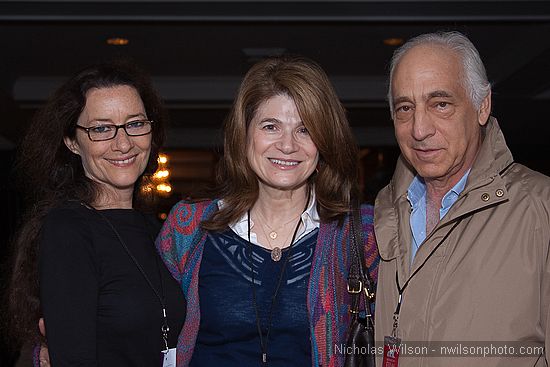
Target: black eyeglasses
x,y
109,131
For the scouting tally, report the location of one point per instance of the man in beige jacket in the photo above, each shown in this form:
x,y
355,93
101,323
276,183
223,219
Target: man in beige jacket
x,y
463,230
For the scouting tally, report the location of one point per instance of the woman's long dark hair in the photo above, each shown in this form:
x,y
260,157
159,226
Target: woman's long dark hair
x,y
50,174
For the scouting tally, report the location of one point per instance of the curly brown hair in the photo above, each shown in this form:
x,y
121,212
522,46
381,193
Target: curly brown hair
x,y
51,174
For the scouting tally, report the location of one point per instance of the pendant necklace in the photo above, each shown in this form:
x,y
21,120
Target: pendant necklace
x,y
273,232
263,342
276,252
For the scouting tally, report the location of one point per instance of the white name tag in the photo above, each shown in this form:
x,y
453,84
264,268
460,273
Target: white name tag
x,y
169,358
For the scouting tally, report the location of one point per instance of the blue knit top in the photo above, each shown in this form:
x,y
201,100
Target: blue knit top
x,y
228,334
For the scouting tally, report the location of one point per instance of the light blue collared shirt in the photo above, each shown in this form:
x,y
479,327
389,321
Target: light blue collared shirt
x,y
416,194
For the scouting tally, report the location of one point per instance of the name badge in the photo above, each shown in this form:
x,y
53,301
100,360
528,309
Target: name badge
x,y
169,357
391,351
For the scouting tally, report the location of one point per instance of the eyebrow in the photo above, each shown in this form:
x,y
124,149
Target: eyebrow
x,y
401,100
129,117
270,119
439,93
277,121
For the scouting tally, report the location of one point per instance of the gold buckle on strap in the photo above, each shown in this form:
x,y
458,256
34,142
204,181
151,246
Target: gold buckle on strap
x,y
354,289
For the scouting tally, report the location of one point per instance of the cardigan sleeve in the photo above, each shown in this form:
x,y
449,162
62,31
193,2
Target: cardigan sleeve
x,y
180,232
166,240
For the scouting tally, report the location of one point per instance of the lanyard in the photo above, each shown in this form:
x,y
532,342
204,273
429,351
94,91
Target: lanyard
x,y
164,328
263,343
400,290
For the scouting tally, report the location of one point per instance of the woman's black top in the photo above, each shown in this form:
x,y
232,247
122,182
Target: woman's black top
x,y
98,307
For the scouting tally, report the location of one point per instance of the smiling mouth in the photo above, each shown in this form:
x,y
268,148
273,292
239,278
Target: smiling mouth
x,y
426,152
123,162
426,149
284,162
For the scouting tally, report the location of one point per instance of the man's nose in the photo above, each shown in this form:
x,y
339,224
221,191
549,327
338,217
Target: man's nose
x,y
423,125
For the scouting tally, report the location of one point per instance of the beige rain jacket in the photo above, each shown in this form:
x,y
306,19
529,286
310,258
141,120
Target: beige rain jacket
x,y
483,290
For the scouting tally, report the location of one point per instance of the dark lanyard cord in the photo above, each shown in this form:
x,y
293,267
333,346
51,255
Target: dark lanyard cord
x,y
402,289
263,345
161,299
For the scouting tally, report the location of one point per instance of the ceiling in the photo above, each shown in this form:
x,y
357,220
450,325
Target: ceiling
x,y
197,52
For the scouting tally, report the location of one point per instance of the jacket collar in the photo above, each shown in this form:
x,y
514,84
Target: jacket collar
x,y
493,156
392,208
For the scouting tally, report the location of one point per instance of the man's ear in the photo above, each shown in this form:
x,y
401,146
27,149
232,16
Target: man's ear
x,y
72,145
484,110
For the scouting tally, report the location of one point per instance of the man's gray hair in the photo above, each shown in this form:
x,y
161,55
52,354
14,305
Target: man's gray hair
x,y
475,77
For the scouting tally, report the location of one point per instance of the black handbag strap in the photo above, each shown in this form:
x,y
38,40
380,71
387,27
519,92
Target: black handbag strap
x,y
359,279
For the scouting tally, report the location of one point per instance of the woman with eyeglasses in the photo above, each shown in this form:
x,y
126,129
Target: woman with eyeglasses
x,y
104,294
